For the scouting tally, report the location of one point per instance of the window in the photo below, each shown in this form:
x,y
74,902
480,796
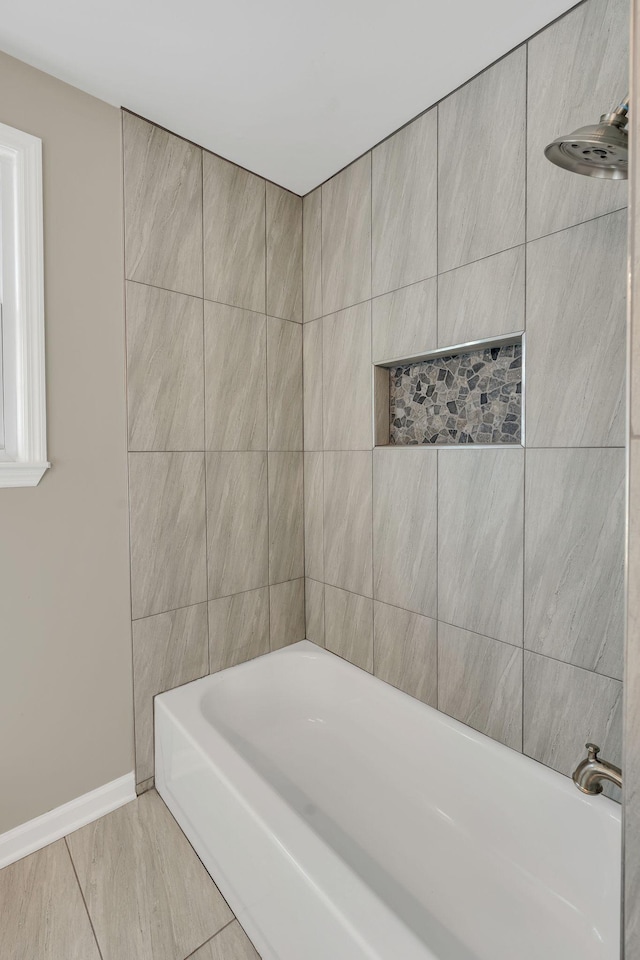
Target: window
x,y
23,452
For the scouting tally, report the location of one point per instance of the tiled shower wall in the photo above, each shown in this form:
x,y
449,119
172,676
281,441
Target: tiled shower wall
x,y
214,360
486,582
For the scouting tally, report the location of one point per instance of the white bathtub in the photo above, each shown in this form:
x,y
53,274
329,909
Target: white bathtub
x,y
344,820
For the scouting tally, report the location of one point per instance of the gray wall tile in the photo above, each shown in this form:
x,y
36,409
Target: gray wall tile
x,y
481,169
314,611
405,527
631,764
405,322
405,206
574,557
346,237
405,649
167,522
348,521
566,707
480,541
168,650
575,359
349,626
286,517
482,300
147,893
346,375
313,519
165,377
234,235
480,683
235,378
43,915
284,384
312,254
577,71
284,254
238,628
237,527
163,207
286,603
312,380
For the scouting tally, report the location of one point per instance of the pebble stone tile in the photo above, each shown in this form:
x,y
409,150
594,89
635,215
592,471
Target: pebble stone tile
x,y
471,397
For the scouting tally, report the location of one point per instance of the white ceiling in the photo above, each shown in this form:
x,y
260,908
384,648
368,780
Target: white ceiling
x,y
291,89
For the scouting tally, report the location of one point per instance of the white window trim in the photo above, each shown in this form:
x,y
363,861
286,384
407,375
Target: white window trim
x,y
23,460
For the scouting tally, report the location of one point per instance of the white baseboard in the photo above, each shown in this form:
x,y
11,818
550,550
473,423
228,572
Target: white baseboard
x,y
37,833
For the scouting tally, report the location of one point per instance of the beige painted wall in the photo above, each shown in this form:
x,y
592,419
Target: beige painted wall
x,y
66,718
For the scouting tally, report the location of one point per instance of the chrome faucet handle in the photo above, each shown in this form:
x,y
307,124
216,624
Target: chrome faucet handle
x,y
593,749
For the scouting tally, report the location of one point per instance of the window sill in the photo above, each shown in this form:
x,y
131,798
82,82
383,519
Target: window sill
x,y
14,474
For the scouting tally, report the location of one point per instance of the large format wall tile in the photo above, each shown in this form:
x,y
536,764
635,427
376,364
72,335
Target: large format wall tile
x,y
312,380
405,206
312,254
349,626
314,611
482,300
238,628
346,376
577,71
481,164
405,322
163,207
574,557
576,284
313,519
232,943
286,613
406,651
566,707
165,379
284,384
167,523
284,254
168,650
43,916
480,541
346,237
234,235
146,891
286,517
480,683
235,344
237,527
405,527
348,521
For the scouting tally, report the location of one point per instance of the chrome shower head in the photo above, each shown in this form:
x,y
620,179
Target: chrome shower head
x,y
599,150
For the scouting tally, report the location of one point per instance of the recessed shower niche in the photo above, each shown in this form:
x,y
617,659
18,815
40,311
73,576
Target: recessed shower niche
x,y
468,394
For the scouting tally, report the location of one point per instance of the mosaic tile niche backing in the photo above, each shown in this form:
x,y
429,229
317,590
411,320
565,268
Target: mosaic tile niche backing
x,y
461,398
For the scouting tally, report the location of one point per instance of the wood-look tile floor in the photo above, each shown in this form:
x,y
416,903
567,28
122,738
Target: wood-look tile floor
x,y
127,887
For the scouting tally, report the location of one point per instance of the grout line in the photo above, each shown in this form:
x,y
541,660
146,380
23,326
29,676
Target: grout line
x,y
204,427
523,380
220,303
266,362
372,417
447,623
75,873
209,939
469,263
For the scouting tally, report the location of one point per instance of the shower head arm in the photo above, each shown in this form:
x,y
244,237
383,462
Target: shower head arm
x,y
619,115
